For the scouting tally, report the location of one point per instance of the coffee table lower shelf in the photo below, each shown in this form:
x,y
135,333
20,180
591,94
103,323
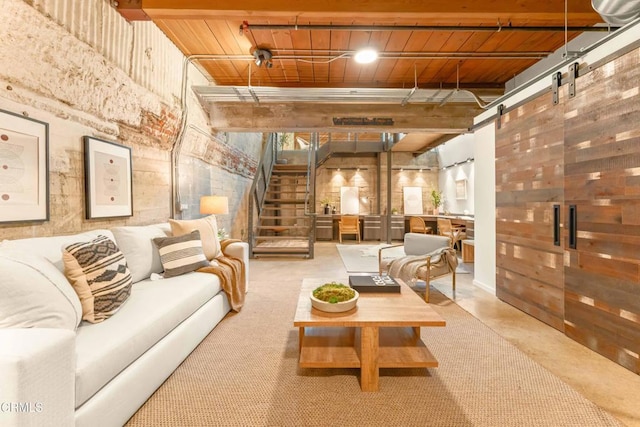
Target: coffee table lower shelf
x,y
340,347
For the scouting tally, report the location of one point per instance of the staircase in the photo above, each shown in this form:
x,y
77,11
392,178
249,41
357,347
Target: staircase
x,y
284,226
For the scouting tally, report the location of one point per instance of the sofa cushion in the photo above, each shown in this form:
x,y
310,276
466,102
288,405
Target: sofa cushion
x,y
208,228
51,247
181,254
136,243
153,310
98,272
35,294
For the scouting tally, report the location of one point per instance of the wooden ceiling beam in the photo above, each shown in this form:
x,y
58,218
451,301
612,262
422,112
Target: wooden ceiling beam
x,y
433,144
551,10
316,117
131,10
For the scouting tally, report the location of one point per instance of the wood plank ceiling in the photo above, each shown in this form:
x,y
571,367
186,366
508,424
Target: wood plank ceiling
x,y
473,44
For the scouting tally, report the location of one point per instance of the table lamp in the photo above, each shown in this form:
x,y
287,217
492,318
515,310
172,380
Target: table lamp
x,y
214,205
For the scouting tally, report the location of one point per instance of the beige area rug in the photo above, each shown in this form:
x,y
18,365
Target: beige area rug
x,y
364,258
245,373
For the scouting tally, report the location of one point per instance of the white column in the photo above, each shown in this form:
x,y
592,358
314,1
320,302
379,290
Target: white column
x,y
485,208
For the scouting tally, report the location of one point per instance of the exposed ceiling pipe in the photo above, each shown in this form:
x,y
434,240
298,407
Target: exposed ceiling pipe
x,y
326,57
480,103
617,12
476,28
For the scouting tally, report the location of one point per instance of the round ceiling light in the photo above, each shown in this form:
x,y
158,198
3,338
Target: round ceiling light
x,y
365,56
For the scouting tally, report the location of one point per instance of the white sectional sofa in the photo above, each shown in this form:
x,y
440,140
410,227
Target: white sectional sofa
x,y
100,374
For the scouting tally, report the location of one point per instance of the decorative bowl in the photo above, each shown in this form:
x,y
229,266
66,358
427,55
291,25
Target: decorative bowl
x,y
337,307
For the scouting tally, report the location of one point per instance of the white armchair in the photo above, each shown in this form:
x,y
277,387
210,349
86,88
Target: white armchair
x,y
426,256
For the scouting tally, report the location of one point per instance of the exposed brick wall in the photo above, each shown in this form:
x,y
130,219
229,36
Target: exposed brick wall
x,y
225,151
107,86
234,165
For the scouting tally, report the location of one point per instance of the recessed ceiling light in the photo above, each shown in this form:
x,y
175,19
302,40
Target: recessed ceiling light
x,y
365,56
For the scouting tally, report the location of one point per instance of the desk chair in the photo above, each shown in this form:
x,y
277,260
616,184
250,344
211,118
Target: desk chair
x,y
456,234
426,257
349,224
417,225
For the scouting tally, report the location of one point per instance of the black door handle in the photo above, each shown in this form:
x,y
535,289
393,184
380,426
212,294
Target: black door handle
x,y
556,225
573,226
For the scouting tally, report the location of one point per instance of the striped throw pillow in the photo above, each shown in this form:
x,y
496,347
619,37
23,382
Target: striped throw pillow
x,y
181,254
98,272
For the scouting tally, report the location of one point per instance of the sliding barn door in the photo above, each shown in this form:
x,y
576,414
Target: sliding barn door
x,y
529,196
602,190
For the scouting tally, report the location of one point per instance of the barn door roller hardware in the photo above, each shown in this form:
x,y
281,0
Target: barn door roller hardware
x,y
573,74
556,82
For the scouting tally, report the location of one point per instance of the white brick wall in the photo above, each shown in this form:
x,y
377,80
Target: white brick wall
x,y
81,68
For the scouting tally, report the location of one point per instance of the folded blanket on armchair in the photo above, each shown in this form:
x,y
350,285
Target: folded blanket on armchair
x,y
414,267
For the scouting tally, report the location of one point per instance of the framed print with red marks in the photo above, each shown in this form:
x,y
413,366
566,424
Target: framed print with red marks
x,y
108,179
24,168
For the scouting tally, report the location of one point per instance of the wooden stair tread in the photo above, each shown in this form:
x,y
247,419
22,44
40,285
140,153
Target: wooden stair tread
x,y
284,217
282,251
267,238
289,166
280,227
299,209
284,200
288,192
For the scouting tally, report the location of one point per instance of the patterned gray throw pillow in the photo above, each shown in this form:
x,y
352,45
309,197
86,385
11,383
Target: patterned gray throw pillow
x,y
181,254
99,274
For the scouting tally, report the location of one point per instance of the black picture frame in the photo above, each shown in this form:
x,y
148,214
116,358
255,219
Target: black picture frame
x,y
24,169
108,176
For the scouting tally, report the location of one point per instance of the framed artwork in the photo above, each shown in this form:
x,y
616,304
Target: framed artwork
x,y
349,200
108,179
461,189
24,168
412,200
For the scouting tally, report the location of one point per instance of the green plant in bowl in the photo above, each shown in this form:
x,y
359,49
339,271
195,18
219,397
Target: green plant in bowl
x,y
334,298
334,293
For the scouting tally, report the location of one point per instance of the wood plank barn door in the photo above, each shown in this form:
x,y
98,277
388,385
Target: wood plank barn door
x,y
602,187
529,185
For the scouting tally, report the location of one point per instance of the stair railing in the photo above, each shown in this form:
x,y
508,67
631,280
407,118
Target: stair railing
x,y
259,187
310,192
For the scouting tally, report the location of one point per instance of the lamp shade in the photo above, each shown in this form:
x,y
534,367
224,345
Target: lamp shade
x,y
214,205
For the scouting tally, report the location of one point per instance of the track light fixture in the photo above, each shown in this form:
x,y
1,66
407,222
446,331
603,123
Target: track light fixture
x,y
263,56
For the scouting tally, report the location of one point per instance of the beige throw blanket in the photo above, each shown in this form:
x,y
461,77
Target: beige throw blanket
x,y
231,272
408,268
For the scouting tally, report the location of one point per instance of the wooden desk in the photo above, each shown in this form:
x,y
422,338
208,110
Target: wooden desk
x,y
375,225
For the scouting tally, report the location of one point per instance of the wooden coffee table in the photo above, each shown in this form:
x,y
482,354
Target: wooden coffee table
x,y
382,331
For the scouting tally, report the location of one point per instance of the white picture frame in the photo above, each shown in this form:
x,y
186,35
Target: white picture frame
x,y
24,169
349,201
461,189
108,179
412,197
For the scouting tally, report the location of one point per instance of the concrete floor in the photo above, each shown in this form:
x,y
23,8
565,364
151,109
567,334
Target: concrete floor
x,y
605,383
